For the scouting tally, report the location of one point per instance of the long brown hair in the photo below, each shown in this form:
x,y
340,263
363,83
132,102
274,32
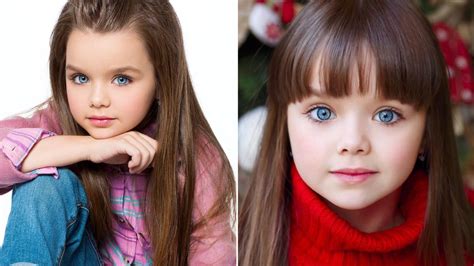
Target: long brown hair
x,y
183,133
409,68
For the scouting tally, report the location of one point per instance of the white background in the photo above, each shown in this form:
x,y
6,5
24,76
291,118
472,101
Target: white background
x,y
210,37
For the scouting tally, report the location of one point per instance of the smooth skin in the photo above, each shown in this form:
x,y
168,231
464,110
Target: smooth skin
x,y
358,131
108,74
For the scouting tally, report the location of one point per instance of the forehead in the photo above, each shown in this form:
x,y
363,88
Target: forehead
x,y
93,50
407,62
356,74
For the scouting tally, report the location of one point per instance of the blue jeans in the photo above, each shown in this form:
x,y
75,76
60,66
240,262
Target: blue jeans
x,y
48,224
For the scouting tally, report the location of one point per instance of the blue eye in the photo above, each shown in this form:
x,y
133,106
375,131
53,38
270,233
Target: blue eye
x,y
387,116
320,114
122,80
80,79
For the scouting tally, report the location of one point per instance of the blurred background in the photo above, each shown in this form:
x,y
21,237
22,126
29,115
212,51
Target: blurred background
x,y
262,23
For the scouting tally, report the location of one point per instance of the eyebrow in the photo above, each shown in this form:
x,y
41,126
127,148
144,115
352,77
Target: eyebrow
x,y
120,69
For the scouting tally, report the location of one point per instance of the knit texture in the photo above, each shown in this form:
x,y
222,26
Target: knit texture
x,y
318,236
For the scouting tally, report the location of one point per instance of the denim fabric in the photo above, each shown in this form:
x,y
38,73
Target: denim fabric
x,y
48,224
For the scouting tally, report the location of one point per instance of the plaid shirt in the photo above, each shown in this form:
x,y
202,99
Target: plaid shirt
x,y
130,242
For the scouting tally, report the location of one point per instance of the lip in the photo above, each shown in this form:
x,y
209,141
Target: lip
x,y
101,117
101,121
353,175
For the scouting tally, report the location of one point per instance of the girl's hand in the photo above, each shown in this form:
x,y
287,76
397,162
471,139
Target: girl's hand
x,y
133,147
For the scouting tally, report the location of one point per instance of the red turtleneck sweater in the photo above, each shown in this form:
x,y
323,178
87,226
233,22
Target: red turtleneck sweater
x,y
318,236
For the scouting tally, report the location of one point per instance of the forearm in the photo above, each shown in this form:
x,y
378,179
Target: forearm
x,y
57,151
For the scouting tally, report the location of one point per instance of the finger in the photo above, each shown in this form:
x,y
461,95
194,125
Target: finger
x,y
148,143
136,168
144,151
153,143
151,152
133,152
152,149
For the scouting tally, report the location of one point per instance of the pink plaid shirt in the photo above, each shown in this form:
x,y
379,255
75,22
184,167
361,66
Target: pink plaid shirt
x,y
130,242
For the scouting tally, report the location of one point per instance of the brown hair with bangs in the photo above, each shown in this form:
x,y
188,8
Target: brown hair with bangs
x,y
409,68
183,134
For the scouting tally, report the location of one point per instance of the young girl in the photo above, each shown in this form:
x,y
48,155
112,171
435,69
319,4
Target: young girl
x,y
147,181
358,162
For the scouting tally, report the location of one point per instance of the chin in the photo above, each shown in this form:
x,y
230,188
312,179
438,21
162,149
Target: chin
x,y
102,134
350,203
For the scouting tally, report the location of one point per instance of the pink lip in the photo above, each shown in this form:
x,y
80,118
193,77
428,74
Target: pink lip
x,y
353,171
101,117
353,175
101,121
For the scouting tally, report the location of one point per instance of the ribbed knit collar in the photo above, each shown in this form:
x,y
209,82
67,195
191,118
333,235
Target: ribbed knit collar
x,y
316,229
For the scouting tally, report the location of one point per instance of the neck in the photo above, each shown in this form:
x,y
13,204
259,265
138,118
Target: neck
x,y
382,215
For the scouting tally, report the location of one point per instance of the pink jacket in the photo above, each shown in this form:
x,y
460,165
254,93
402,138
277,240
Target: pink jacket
x,y
214,245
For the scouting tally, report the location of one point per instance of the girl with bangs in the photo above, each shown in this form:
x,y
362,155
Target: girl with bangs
x,y
147,181
358,162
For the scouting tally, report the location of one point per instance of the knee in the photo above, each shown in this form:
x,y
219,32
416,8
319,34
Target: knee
x,y
45,190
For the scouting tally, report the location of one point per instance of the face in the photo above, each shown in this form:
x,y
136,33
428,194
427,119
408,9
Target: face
x,y
110,81
354,151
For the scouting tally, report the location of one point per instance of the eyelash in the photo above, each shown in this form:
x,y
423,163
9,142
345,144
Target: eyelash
x,y
73,76
398,114
308,113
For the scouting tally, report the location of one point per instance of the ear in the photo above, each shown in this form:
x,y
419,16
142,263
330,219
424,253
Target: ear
x,y
422,150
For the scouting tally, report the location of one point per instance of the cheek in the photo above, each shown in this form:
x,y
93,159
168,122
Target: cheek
x,y
75,101
401,150
399,156
309,146
134,104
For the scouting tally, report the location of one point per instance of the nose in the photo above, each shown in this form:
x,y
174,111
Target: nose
x,y
99,96
354,140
